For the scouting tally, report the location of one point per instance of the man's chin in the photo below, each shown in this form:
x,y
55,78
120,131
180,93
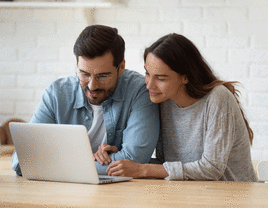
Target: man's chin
x,y
95,101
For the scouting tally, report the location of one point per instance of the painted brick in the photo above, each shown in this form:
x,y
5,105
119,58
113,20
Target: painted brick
x,y
261,143
36,29
66,55
218,29
149,4
56,41
137,55
259,41
256,84
231,71
7,29
25,108
7,108
225,14
104,15
10,15
197,40
248,55
203,3
64,28
39,54
17,94
54,15
136,15
18,41
83,15
66,69
259,128
215,55
258,99
259,114
17,68
259,71
35,80
241,28
139,42
258,14
38,94
8,54
7,81
160,29
246,3
124,29
228,42
179,14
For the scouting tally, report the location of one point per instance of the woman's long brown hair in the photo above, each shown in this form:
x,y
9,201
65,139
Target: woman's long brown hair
x,y
182,56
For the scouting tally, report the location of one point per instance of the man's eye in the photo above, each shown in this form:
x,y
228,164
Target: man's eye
x,y
103,76
84,73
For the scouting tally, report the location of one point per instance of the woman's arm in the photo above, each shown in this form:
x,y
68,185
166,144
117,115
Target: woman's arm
x,y
136,170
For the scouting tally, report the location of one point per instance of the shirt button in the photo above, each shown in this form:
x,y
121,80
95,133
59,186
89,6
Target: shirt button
x,y
86,117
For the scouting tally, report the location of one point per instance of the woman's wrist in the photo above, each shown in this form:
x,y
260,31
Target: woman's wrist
x,y
153,170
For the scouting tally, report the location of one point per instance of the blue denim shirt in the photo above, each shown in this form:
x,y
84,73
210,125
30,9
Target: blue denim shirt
x,y
131,119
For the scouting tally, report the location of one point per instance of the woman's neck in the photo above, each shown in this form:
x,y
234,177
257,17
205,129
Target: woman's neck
x,y
184,100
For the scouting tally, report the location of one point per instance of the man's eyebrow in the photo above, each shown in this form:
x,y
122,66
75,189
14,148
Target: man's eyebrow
x,y
104,73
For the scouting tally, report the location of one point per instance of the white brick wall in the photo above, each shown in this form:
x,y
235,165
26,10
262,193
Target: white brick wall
x,y
36,48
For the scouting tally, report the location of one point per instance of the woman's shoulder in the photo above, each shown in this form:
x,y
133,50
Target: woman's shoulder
x,y
220,92
221,97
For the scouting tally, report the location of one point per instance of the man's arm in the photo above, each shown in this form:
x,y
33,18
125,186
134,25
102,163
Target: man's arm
x,y
141,133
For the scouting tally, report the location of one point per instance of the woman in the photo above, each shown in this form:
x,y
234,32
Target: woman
x,y
204,134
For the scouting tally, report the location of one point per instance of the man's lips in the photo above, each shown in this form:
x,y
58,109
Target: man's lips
x,y
94,93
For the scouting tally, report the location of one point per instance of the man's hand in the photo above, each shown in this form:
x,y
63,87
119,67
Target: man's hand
x,y
126,168
102,155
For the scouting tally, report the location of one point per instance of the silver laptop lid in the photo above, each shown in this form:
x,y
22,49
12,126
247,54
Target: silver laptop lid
x,y
54,152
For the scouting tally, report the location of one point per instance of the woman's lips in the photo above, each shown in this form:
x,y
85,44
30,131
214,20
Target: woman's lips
x,y
152,93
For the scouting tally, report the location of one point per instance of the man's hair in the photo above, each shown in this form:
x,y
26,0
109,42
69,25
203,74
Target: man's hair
x,y
96,40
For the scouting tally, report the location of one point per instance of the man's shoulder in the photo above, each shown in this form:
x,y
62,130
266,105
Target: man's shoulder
x,y
131,84
132,79
65,83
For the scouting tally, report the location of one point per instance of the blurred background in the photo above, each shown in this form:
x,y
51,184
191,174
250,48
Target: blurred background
x,y
36,46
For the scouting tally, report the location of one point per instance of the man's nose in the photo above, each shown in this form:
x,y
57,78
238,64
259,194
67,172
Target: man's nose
x,y
93,84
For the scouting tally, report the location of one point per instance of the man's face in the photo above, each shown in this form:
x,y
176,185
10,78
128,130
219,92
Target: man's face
x,y
99,77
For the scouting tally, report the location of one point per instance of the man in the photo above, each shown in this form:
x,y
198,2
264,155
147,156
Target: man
x,y
113,103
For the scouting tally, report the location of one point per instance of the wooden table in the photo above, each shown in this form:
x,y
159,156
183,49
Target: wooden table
x,y
18,192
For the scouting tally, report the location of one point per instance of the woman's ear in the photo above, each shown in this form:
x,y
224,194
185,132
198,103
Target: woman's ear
x,y
122,67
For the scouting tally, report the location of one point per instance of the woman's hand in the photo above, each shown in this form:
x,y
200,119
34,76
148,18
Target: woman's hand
x,y
126,168
102,155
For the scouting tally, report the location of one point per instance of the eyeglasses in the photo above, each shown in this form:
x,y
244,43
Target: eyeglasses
x,y
100,78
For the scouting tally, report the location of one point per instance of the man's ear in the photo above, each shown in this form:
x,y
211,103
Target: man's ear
x,y
185,79
122,67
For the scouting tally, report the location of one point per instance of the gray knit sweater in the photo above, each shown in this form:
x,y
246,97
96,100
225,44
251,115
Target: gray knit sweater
x,y
205,141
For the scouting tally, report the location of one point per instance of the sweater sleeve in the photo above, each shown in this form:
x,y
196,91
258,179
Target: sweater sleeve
x,y
217,142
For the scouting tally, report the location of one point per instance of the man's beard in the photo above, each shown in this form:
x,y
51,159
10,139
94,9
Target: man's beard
x,y
101,96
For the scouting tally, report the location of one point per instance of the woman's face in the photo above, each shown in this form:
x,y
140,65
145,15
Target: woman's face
x,y
162,82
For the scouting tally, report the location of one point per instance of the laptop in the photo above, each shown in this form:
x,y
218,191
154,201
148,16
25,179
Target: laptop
x,y
56,152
